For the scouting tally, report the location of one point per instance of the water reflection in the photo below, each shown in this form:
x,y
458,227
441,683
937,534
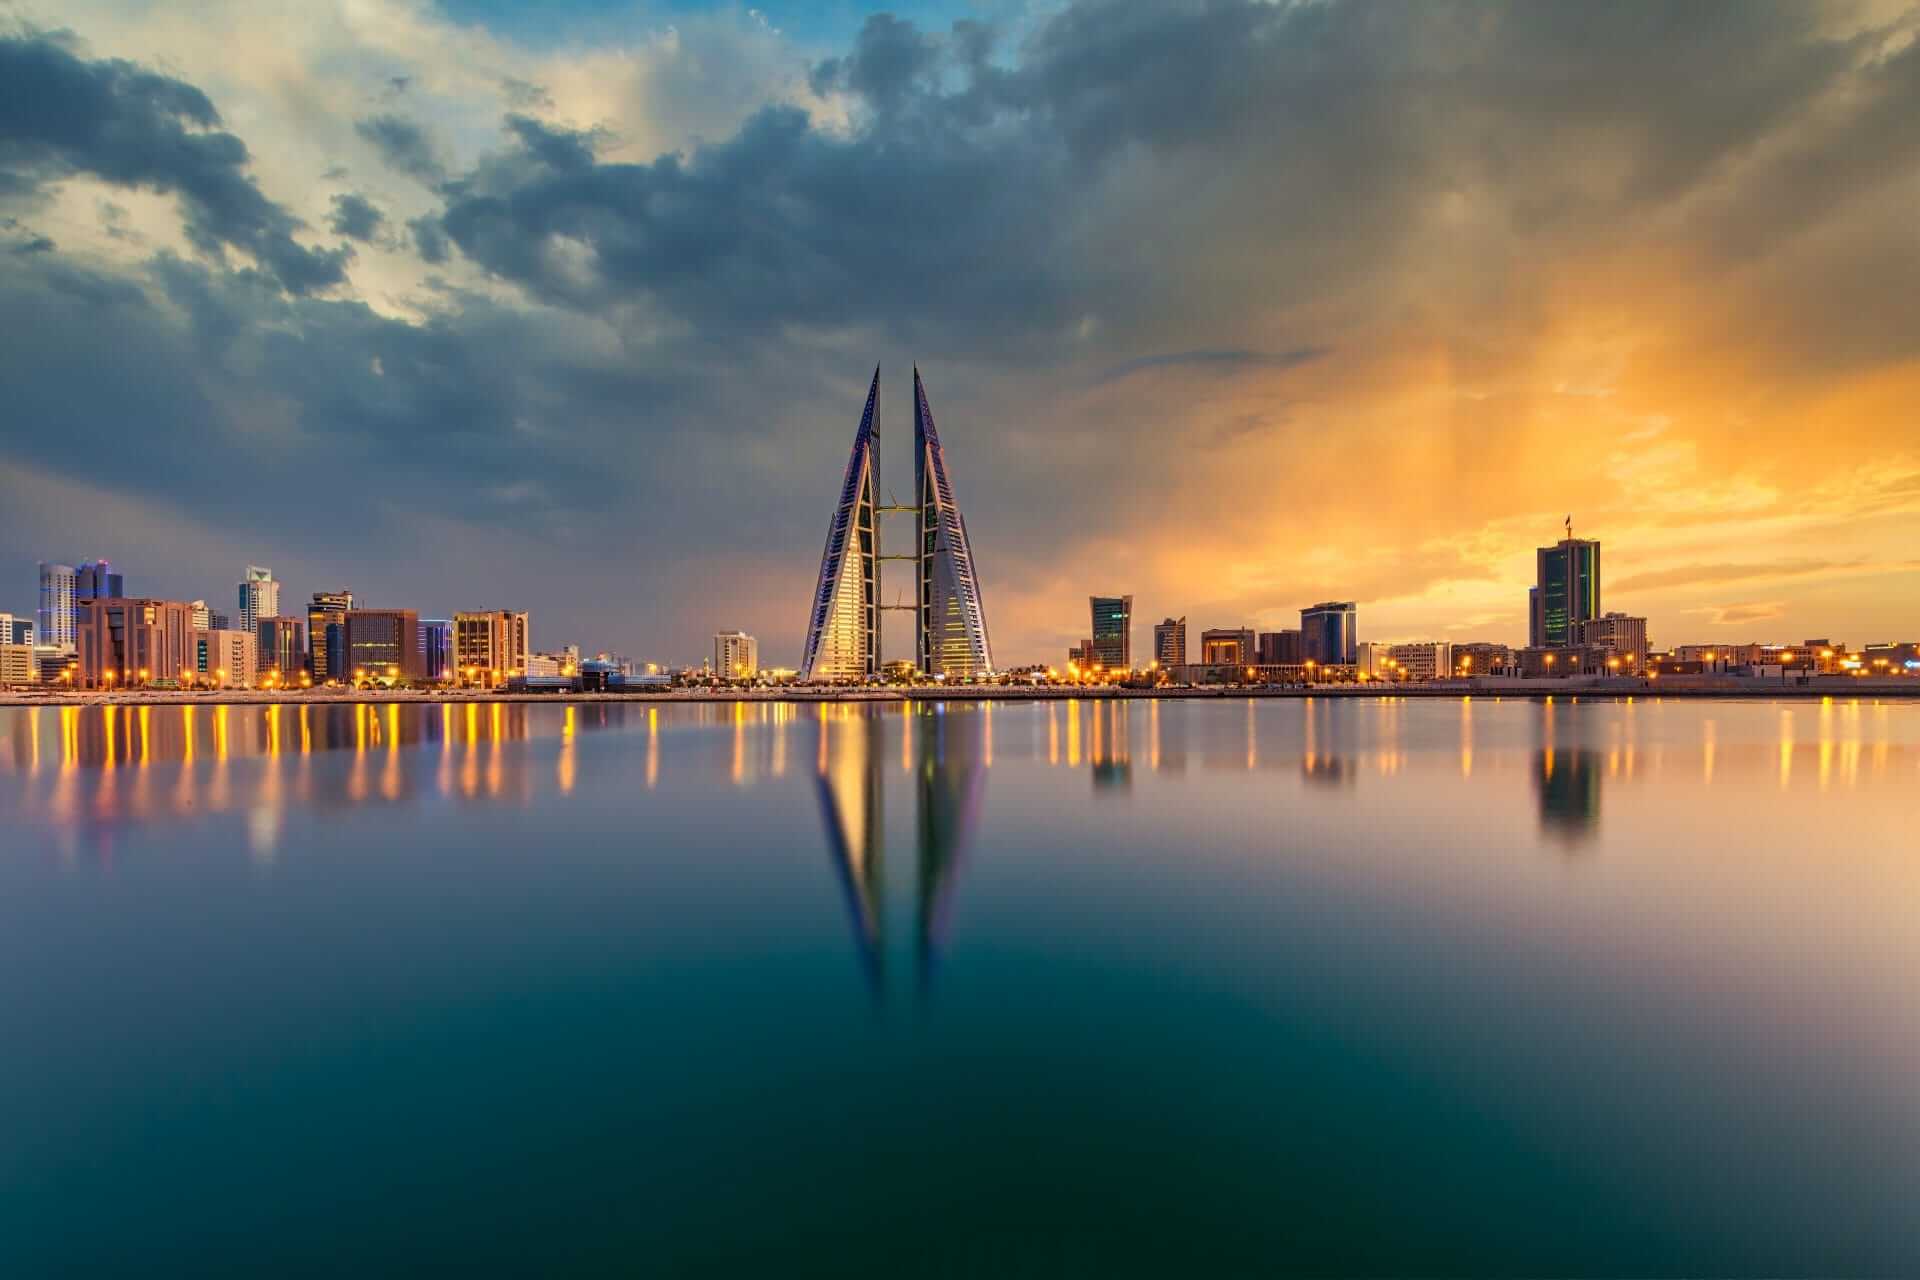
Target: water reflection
x,y
947,756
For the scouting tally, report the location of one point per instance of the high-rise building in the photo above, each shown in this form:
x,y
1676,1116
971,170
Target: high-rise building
x,y
202,616
951,635
1617,633
1567,590
282,649
1278,648
1113,631
383,643
488,648
98,581
1170,642
259,598
950,625
736,656
119,639
436,648
56,616
1328,632
15,630
226,659
326,608
1228,647
843,632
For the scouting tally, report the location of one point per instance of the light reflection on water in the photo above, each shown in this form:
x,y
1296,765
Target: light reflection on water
x,y
1640,970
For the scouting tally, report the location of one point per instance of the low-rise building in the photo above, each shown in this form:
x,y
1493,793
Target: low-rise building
x,y
1619,634
226,659
1561,661
17,666
1480,658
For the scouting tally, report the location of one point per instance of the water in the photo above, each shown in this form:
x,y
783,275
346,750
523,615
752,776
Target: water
x,y
1315,987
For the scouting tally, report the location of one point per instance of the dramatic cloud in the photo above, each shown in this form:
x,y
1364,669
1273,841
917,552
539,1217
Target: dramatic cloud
x,y
403,144
62,114
1232,305
355,217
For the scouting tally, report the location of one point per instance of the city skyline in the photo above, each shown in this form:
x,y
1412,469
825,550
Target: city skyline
x,y
1380,360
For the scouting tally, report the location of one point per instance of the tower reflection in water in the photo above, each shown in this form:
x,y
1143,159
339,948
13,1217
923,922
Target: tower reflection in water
x,y
1566,777
948,757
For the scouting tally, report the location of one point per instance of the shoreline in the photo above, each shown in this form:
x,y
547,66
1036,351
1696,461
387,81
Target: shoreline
x,y
1895,689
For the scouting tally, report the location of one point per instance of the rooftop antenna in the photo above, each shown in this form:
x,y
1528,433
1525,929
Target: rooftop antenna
x,y
1569,528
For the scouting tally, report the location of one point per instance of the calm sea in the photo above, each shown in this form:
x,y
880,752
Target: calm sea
x,y
1422,987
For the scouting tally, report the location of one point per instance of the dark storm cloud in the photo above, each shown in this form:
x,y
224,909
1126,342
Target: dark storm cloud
x,y
355,217
403,145
429,241
61,114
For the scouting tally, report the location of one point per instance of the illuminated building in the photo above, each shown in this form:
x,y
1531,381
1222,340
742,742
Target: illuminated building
x,y
15,630
327,608
490,647
281,647
1328,633
952,632
383,643
843,632
1567,591
226,659
118,639
1615,632
1113,631
736,655
1227,647
843,626
259,598
436,648
1170,643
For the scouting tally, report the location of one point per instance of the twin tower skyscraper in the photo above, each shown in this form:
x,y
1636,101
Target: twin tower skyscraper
x,y
950,623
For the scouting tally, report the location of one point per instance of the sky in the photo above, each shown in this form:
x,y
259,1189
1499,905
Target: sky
x,y
1230,305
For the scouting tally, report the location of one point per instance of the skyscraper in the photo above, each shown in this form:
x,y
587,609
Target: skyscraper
x,y
1113,631
843,631
54,619
950,625
1328,632
328,607
1170,642
259,598
952,630
736,656
15,630
1567,591
98,581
